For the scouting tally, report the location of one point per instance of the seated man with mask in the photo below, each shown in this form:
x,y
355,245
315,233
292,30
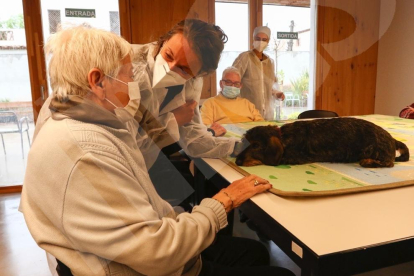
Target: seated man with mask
x,y
228,107
87,198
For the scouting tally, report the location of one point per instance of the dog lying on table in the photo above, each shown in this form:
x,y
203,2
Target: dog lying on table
x,y
336,140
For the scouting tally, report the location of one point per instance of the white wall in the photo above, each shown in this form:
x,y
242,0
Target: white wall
x,y
395,76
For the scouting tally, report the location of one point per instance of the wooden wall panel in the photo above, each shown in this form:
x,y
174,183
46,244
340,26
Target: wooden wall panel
x,y
125,19
151,19
144,21
346,65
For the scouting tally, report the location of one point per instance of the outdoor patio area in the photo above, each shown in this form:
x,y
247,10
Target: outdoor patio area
x,y
12,163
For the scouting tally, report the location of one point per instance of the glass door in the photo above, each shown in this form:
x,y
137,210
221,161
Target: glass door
x,y
16,109
233,18
290,48
23,84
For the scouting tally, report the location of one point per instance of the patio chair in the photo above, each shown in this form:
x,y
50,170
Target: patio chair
x,y
11,117
312,114
292,98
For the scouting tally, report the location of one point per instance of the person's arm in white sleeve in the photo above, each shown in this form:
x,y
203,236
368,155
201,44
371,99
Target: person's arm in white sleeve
x,y
154,133
194,137
241,63
107,212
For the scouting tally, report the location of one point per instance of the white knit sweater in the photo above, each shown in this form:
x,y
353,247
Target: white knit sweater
x,y
88,200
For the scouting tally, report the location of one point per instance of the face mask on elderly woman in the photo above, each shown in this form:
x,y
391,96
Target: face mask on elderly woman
x,y
126,114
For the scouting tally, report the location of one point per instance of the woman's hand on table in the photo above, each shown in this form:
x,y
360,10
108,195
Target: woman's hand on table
x,y
241,190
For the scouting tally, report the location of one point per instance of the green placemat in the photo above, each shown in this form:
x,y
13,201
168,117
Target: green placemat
x,y
319,179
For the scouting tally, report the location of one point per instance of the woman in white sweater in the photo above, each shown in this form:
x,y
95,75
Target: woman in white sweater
x,y
87,198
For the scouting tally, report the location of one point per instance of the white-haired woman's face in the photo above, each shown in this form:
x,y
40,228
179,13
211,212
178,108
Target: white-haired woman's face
x,y
117,91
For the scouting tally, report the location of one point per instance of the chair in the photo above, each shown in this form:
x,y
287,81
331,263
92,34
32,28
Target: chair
x,y
62,269
289,96
310,114
11,117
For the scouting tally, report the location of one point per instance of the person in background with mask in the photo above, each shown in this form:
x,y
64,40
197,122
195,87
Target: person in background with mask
x,y
228,107
87,198
258,75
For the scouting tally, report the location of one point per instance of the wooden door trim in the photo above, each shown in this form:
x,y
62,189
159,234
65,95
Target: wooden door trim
x,y
11,189
125,19
35,53
255,8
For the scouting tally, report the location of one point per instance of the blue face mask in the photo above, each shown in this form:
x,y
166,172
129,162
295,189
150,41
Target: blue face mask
x,y
230,92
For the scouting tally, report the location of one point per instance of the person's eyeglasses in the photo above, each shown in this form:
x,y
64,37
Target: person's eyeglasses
x,y
261,39
230,83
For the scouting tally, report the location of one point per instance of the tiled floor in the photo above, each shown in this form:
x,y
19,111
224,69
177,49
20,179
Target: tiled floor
x,y
20,256
12,163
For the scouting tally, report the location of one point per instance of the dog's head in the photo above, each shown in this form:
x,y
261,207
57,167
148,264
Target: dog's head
x,y
261,145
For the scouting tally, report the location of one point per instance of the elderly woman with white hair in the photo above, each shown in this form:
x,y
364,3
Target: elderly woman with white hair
x,y
227,107
258,75
87,198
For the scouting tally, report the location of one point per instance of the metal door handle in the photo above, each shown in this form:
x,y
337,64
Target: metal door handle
x,y
42,92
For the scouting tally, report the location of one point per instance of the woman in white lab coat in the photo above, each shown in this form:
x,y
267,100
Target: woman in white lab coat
x,y
179,59
258,75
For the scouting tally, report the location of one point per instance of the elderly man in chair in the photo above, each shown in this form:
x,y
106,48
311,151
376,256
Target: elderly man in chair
x,y
227,107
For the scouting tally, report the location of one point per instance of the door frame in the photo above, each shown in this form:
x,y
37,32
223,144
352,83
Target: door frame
x,y
37,64
35,53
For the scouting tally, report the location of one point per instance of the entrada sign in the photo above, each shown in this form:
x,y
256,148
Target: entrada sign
x,y
80,13
287,35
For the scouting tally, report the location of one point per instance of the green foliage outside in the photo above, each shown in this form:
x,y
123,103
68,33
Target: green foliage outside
x,y
294,115
14,22
4,100
301,83
280,76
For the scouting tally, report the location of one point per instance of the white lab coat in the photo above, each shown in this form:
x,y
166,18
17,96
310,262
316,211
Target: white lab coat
x,y
258,78
194,137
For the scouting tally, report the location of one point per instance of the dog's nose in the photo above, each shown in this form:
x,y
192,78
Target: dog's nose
x,y
239,162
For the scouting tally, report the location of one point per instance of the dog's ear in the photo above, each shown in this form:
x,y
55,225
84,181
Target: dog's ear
x,y
274,151
276,131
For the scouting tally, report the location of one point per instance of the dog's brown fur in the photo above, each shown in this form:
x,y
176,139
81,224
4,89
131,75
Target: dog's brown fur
x,y
337,140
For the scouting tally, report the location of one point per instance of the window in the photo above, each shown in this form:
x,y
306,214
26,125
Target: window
x,y
291,56
114,22
233,19
54,20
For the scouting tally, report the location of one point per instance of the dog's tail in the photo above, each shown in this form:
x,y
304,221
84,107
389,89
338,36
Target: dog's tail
x,y
404,152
